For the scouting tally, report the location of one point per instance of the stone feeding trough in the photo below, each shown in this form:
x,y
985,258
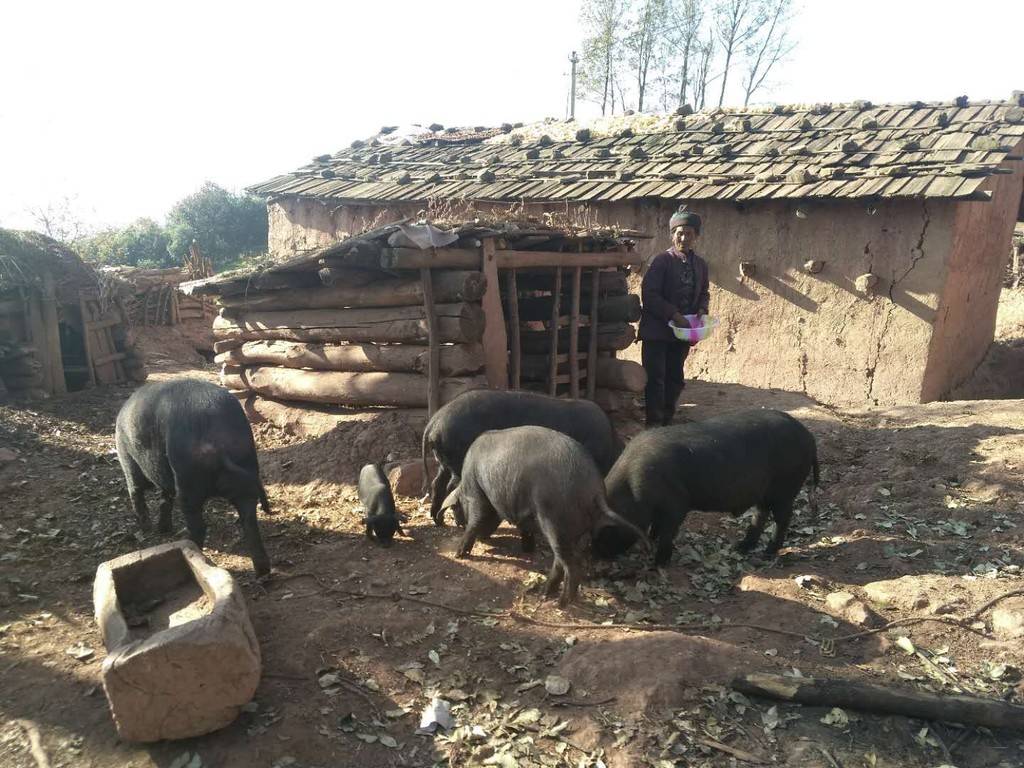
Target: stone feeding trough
x,y
182,657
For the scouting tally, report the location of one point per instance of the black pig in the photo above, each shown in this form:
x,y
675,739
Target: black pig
x,y
728,464
379,503
452,430
535,478
190,439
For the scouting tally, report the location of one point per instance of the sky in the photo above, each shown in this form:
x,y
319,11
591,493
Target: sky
x,y
116,110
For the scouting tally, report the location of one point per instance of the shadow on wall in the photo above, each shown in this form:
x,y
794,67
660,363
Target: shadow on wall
x,y
1000,376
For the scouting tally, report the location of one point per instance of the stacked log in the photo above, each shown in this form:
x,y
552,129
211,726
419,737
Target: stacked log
x,y
350,332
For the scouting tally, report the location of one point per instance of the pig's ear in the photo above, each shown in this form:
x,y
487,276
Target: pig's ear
x,y
451,499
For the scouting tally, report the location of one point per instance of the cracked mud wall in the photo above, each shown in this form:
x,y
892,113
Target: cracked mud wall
x,y
966,319
782,328
787,329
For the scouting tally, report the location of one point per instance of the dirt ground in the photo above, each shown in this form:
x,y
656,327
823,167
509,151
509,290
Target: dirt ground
x,y
356,639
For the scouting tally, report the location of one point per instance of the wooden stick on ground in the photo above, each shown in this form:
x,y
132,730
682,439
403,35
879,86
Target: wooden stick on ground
x,y
35,743
883,700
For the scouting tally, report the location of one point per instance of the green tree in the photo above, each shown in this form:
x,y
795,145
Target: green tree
x,y
143,243
226,226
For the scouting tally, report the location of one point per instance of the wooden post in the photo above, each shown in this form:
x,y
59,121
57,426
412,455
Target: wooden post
x,y
51,323
86,341
513,321
495,338
556,311
434,364
574,334
595,277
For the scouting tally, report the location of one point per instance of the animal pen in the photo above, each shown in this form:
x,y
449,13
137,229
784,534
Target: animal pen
x,y
152,296
60,329
411,316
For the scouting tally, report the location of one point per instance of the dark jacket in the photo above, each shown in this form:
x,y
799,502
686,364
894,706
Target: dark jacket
x,y
663,294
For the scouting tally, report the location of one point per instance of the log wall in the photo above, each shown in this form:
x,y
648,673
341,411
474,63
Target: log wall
x,y
384,325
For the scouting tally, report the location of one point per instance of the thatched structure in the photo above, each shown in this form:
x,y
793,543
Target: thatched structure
x,y
59,329
856,251
410,315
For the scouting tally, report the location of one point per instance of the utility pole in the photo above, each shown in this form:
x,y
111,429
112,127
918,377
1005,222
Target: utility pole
x,y
572,92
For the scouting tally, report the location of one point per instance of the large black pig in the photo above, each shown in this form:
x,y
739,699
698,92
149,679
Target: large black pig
x,y
190,439
535,478
452,430
729,463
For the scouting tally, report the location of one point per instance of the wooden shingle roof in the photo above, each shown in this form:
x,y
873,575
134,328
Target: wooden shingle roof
x,y
836,151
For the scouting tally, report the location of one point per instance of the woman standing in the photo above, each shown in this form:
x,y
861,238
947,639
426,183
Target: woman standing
x,y
676,284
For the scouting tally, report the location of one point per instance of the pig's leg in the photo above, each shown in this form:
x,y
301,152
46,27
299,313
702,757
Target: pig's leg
x,y
753,535
782,512
437,493
137,484
666,526
251,534
481,517
527,535
192,510
165,523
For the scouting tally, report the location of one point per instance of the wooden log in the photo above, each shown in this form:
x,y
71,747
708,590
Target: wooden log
x,y
449,286
610,282
429,258
512,301
36,327
456,323
594,340
434,346
556,310
51,321
223,345
455,359
574,334
883,700
624,375
257,281
530,259
610,337
330,276
404,390
624,309
495,334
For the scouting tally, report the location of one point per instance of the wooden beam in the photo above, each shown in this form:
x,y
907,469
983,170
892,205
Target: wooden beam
x,y
51,322
595,278
525,259
556,310
90,362
495,339
512,299
434,359
574,334
414,258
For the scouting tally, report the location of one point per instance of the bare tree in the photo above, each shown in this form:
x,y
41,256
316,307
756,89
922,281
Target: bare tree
x,y
687,17
58,219
647,44
702,77
736,23
769,47
604,29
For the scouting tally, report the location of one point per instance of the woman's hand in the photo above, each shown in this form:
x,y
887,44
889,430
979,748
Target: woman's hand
x,y
680,321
